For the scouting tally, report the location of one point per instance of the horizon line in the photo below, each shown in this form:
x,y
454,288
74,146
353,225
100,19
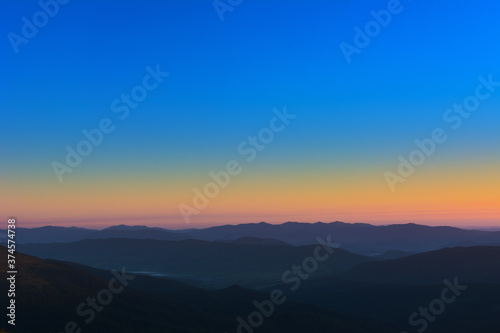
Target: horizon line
x,y
472,227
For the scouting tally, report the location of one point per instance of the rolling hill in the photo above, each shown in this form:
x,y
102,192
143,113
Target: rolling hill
x,y
48,294
212,264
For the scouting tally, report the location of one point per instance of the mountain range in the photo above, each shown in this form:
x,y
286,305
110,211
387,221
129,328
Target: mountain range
x,y
182,283
359,238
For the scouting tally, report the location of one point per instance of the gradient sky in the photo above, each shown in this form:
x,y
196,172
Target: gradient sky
x,y
353,120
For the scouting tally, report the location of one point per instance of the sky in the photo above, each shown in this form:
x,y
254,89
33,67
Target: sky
x,y
306,110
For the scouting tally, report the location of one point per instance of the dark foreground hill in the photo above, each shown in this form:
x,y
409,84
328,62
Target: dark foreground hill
x,y
472,264
393,290
370,293
48,294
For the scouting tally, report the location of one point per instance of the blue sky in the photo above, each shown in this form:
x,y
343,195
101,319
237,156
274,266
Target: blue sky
x,y
227,76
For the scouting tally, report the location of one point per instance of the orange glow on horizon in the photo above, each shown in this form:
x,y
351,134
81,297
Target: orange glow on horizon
x,y
467,195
